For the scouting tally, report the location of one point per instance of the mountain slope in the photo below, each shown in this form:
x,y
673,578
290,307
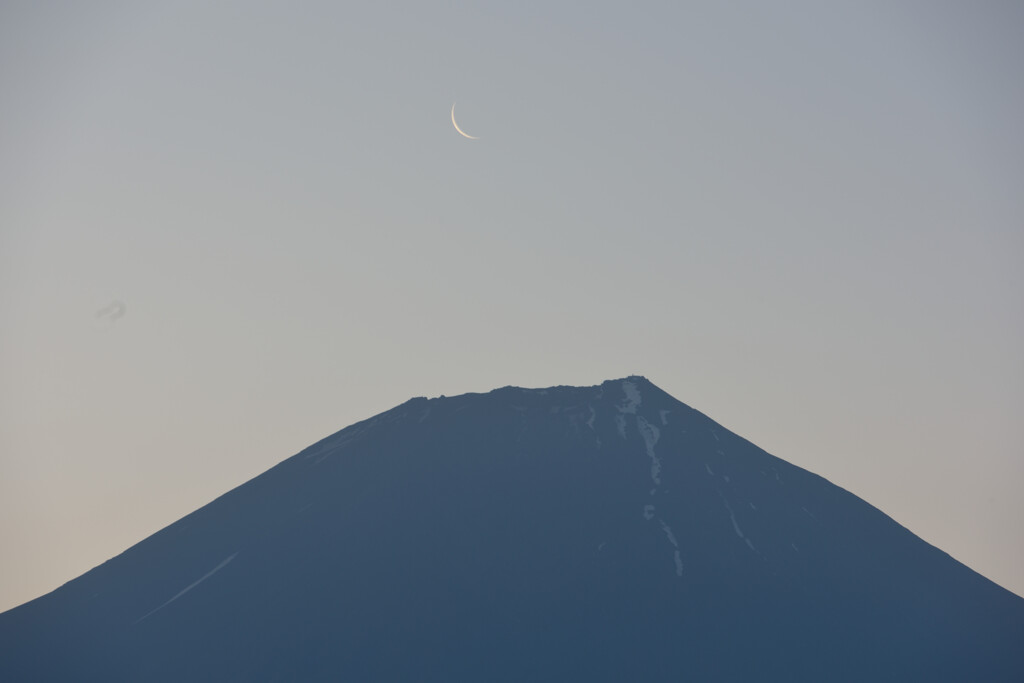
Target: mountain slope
x,y
597,533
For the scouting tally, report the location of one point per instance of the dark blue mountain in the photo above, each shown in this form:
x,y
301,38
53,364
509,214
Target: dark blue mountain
x,y
604,533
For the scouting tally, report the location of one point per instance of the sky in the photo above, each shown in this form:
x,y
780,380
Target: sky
x,y
230,229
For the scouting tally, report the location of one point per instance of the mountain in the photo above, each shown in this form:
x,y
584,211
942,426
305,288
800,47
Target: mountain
x,y
606,533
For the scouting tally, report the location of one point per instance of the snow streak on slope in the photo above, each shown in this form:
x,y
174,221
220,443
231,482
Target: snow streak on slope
x,y
735,524
633,398
650,435
648,432
675,544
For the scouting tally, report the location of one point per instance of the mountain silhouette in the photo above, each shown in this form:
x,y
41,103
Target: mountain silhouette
x,y
606,533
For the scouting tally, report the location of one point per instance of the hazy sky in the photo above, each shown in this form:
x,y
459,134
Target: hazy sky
x,y
805,220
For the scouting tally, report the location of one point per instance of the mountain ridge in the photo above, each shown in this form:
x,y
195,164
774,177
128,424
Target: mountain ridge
x,y
609,531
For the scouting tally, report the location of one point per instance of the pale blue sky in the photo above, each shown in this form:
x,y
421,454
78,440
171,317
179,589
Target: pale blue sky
x,y
806,222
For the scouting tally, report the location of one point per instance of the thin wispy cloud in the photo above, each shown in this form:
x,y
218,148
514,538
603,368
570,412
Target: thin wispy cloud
x,y
112,311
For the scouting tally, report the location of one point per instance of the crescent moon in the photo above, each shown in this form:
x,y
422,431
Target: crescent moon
x,y
465,135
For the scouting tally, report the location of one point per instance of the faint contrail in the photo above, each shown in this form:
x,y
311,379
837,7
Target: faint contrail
x,y
114,310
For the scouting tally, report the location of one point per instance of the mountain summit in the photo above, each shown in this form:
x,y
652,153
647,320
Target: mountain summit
x,y
606,533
